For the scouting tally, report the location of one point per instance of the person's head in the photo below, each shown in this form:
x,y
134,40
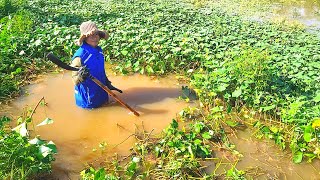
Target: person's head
x,y
91,34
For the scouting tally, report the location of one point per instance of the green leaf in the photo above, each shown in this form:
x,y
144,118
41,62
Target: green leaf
x,y
205,150
18,70
36,141
232,123
132,166
46,122
197,142
274,129
198,127
52,147
149,69
222,87
265,129
307,137
206,135
307,134
237,93
267,108
216,109
124,52
21,129
297,158
44,150
174,124
317,98
100,175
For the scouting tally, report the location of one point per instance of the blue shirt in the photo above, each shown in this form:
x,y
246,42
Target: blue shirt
x,y
88,94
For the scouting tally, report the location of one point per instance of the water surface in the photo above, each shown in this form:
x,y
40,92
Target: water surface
x,y
78,132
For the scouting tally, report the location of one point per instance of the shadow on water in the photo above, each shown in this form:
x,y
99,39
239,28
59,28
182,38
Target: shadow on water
x,y
138,96
147,95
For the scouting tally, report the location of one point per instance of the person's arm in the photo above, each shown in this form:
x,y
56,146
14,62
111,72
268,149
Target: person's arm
x,y
111,87
76,62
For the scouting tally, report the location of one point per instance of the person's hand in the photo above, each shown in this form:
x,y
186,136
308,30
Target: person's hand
x,y
81,75
109,85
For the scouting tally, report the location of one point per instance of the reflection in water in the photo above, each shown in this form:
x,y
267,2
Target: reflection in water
x,y
264,160
307,11
274,162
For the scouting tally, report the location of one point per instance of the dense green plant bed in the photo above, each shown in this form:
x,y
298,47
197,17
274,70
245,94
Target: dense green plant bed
x,y
22,157
270,67
183,150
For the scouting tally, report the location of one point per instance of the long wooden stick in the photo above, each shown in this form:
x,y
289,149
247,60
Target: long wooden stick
x,y
113,95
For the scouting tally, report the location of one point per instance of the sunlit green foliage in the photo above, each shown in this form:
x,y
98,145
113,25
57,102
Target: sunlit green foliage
x,y
20,156
269,67
176,154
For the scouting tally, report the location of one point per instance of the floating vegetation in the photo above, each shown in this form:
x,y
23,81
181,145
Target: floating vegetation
x,y
266,73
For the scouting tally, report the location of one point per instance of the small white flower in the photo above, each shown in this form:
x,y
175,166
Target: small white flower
x,y
211,132
135,159
22,53
38,42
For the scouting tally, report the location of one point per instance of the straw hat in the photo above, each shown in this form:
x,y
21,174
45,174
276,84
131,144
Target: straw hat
x,y
87,29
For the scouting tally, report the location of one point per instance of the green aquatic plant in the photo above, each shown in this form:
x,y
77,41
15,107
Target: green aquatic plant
x,y
20,156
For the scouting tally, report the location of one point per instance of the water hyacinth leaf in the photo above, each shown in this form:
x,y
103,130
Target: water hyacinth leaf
x,y
267,108
18,70
237,93
216,109
297,158
52,146
46,122
131,169
198,127
100,175
36,141
274,129
222,87
307,135
44,150
174,124
317,98
21,129
149,69
47,149
197,142
265,129
124,52
206,135
205,150
232,123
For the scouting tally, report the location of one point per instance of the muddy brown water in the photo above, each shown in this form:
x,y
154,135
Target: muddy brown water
x,y
265,160
77,132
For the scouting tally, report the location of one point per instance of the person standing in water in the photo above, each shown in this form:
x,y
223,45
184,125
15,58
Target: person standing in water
x,y
89,58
